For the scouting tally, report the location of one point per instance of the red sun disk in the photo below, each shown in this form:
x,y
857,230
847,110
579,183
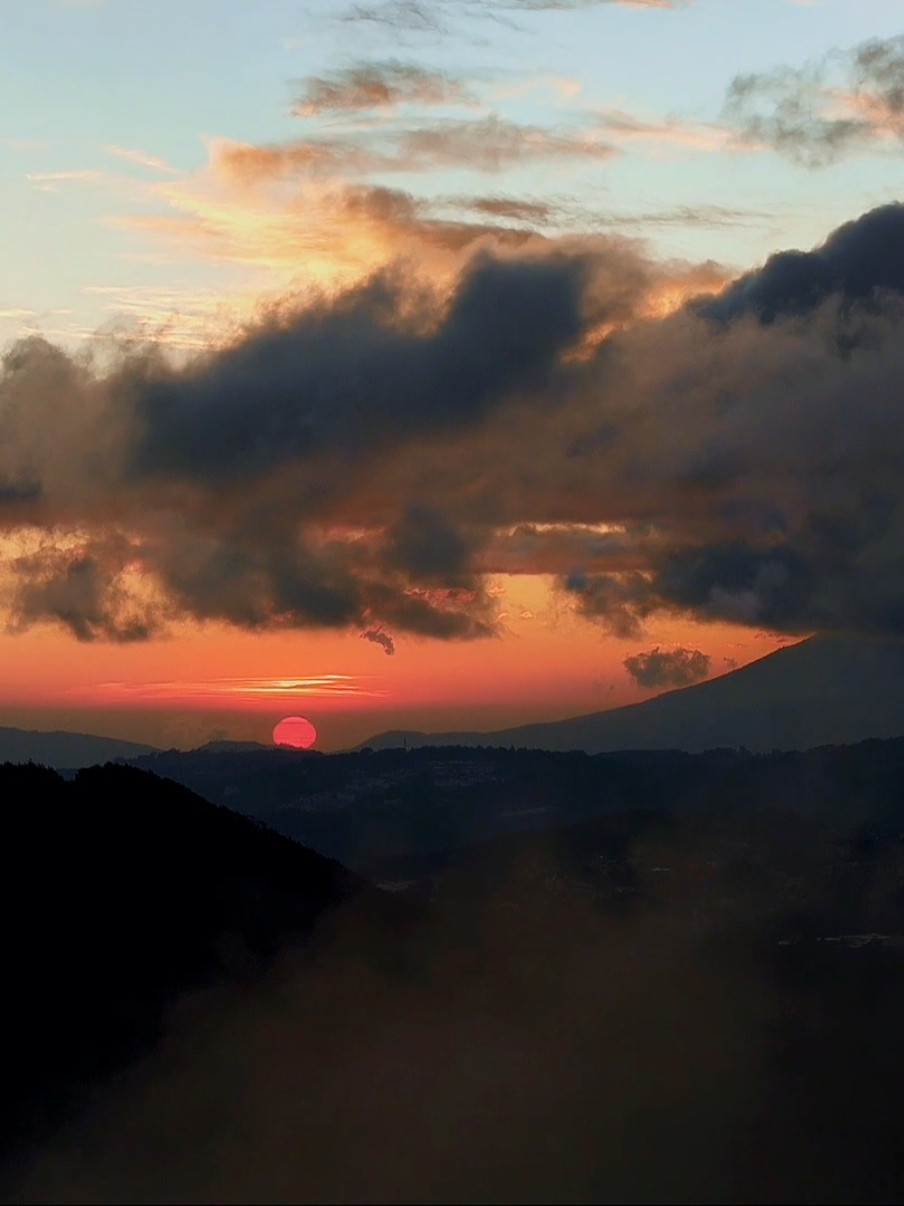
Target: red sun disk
x,y
295,732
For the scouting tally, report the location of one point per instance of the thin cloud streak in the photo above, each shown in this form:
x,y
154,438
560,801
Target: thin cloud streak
x,y
141,158
378,86
327,686
487,145
617,125
432,16
58,177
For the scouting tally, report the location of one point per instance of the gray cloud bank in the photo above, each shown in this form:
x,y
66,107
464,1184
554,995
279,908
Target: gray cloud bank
x,y
365,461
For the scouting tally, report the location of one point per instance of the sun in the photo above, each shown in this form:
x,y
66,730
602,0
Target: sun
x,y
295,732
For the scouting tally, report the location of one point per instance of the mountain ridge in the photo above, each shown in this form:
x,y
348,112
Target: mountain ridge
x,y
63,750
821,691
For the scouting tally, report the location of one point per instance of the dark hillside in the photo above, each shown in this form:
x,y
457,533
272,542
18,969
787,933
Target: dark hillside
x,y
65,750
119,889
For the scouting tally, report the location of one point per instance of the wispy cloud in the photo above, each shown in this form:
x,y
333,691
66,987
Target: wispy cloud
x,y
177,317
512,209
24,144
325,686
567,213
487,145
815,115
621,127
433,16
492,143
141,158
266,208
408,15
712,216
61,177
378,85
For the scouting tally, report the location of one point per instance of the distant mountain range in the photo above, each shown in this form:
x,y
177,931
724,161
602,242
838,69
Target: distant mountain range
x,y
825,690
65,751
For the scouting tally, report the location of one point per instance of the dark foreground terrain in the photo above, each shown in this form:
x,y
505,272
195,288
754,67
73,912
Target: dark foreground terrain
x,y
635,978
375,811
119,893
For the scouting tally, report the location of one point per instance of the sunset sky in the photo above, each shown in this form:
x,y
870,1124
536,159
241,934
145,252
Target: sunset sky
x,y
414,363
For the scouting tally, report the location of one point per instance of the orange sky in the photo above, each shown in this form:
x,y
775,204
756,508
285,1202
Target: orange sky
x,y
211,681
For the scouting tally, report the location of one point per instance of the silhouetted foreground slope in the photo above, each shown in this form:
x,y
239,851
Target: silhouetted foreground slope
x,y
824,691
695,1004
118,891
65,750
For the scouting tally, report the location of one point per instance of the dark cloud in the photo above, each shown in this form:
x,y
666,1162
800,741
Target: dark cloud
x,y
823,112
379,636
860,260
840,572
365,86
801,528
621,602
424,544
256,581
84,591
351,376
773,586
12,493
366,460
205,478
667,668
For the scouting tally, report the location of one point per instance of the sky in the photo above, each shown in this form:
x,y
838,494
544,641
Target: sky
x,y
439,363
